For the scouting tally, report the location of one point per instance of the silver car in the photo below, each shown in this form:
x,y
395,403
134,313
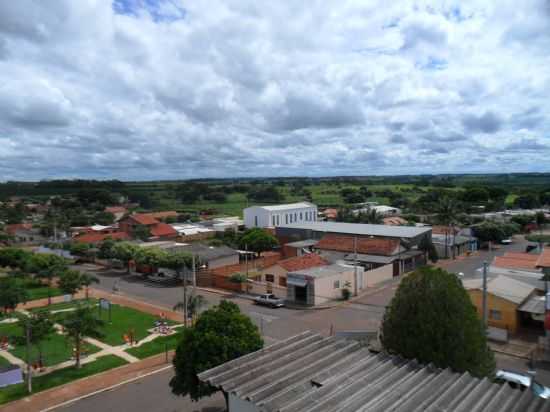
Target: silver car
x,y
522,381
269,299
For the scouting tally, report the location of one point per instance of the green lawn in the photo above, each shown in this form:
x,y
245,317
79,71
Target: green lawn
x,y
159,345
4,362
65,305
61,377
36,289
54,350
123,319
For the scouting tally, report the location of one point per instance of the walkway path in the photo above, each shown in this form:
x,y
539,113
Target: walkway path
x,y
113,350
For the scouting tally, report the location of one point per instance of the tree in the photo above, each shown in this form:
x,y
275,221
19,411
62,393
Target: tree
x,y
258,240
11,294
42,328
70,282
87,280
540,218
178,262
151,256
430,251
125,252
14,257
194,305
432,319
106,249
372,217
80,323
489,232
220,334
47,267
79,249
266,194
142,232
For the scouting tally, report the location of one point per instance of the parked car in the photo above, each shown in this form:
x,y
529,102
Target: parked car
x,y
506,241
269,299
522,381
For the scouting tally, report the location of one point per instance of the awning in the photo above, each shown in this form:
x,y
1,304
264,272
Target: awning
x,y
296,281
534,305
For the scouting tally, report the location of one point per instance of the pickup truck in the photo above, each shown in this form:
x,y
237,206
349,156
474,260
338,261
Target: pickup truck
x,y
269,299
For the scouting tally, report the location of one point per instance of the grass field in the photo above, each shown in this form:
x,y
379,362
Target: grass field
x,y
55,349
159,345
60,377
3,363
35,289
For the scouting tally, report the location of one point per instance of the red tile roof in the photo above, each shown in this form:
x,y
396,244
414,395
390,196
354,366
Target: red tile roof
x,y
11,229
516,260
144,219
385,247
98,237
163,230
394,221
544,259
302,262
164,215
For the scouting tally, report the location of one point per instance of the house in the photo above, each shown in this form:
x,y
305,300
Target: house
x,y
170,214
157,229
321,284
272,279
298,248
309,372
510,303
448,246
273,216
188,232
117,211
25,233
370,253
412,235
517,260
96,238
329,214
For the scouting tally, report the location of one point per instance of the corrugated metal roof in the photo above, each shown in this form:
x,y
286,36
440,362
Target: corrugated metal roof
x,y
362,229
534,305
308,372
503,287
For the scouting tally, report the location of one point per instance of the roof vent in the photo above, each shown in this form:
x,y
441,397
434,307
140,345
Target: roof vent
x,y
315,383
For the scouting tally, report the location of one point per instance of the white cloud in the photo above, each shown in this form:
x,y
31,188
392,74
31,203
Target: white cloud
x,y
171,89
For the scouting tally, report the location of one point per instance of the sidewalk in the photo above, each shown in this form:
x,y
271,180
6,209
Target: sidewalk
x,y
55,396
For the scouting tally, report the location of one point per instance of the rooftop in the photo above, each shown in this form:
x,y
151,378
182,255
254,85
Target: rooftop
x,y
516,260
361,229
288,206
144,219
302,243
163,229
375,246
302,262
308,372
504,287
323,271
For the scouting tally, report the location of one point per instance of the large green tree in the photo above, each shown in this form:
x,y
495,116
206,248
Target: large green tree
x,y
125,252
432,319
220,334
11,294
258,240
41,329
47,266
70,282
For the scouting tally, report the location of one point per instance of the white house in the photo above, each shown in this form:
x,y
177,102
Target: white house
x,y
276,215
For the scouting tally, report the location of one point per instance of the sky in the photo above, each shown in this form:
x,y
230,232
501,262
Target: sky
x,y
175,89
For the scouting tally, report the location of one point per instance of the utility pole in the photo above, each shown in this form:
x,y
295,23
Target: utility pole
x,y
246,258
29,369
355,265
484,297
185,296
194,273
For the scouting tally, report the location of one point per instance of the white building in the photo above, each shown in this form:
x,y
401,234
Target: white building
x,y
272,216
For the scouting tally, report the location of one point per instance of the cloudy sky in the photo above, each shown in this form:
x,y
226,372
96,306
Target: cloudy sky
x,y
149,89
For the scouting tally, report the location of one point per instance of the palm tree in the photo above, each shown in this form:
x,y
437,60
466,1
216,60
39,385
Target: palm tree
x,y
194,304
86,280
80,323
447,212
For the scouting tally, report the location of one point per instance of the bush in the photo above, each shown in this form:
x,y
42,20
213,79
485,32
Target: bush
x,y
346,294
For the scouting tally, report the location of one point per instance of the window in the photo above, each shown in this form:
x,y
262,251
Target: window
x,y
301,218
336,284
291,218
282,281
270,278
273,220
277,220
295,216
256,221
495,314
286,219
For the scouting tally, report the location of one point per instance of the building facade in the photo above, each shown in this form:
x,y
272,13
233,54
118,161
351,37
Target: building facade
x,y
277,215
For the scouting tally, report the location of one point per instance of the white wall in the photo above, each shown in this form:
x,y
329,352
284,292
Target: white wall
x,y
272,218
375,276
324,286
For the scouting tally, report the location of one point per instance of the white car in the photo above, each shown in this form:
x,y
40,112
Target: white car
x,y
506,241
269,299
522,381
